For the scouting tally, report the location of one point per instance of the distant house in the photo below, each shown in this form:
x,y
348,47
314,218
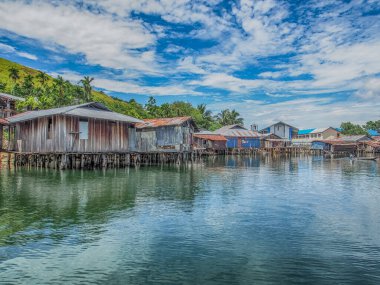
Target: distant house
x,y
85,128
374,134
306,136
334,146
7,109
8,104
282,130
165,134
210,141
239,137
370,146
273,141
354,138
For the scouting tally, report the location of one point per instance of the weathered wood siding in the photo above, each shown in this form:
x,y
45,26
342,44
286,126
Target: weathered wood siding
x,y
165,138
103,136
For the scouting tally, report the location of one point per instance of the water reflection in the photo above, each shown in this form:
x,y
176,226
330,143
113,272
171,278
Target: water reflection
x,y
228,220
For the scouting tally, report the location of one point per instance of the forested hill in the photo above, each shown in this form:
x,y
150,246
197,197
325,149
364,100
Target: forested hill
x,y
42,91
46,91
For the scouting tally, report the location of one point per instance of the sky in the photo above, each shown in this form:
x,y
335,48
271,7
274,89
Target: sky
x,y
308,63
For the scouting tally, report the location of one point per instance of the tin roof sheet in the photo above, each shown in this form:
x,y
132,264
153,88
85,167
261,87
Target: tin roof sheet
x,y
238,133
11,97
305,132
373,133
90,110
160,122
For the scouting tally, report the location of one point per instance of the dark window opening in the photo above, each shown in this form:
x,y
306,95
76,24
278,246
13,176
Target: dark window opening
x,y
50,129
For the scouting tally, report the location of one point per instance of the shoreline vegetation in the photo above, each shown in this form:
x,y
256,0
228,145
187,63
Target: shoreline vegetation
x,y
42,91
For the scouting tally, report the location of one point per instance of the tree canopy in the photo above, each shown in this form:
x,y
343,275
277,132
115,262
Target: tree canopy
x,y
41,91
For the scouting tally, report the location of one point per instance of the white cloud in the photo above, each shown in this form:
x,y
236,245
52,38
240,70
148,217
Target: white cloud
x,y
303,113
102,39
129,87
9,49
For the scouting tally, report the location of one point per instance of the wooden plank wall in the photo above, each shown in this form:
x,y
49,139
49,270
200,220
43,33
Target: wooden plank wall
x,y
103,136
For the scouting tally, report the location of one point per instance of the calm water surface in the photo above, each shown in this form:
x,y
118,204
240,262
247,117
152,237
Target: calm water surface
x,y
226,221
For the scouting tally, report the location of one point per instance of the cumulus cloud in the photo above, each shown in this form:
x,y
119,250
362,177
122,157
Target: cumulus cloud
x,y
102,39
254,49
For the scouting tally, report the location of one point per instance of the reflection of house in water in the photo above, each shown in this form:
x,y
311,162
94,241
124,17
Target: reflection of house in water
x,y
166,134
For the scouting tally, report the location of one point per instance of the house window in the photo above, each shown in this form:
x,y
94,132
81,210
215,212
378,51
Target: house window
x,y
50,129
83,129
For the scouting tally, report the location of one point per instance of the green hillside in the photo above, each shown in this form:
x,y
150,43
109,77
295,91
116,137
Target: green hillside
x,y
42,91
128,108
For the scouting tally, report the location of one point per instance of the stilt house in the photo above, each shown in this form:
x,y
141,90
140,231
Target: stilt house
x,y
166,134
85,128
239,137
210,142
7,109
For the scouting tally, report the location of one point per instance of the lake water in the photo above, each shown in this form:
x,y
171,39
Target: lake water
x,y
225,221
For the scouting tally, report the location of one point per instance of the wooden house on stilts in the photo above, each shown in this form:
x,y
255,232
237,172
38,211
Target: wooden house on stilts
x,y
90,133
169,138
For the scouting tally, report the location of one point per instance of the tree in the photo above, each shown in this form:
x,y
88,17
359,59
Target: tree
x,y
227,117
206,118
14,76
27,87
372,125
86,82
3,86
42,78
349,128
151,107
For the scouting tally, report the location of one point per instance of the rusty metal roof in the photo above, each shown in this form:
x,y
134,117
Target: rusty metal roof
x,y
88,110
238,133
4,122
211,137
161,122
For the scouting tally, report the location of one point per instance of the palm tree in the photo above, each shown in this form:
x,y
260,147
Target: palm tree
x,y
86,82
59,85
227,117
14,76
42,78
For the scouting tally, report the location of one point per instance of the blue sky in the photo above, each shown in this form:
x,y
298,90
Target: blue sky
x,y
309,63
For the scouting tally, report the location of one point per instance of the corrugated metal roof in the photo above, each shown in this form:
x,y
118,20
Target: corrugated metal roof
x,y
4,122
280,122
160,122
373,143
238,133
373,133
211,137
8,96
89,110
335,142
353,138
305,132
229,127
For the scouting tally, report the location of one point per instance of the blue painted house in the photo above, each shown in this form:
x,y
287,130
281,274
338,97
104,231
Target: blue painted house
x,y
239,137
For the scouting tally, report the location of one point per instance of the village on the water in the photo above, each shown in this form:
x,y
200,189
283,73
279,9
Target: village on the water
x,y
91,135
